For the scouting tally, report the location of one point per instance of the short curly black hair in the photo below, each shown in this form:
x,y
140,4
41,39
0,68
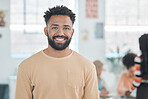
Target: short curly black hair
x,y
128,60
59,10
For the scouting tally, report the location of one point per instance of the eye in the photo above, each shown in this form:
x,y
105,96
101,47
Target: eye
x,y
66,28
54,28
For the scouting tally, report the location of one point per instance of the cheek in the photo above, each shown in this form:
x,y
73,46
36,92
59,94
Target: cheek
x,y
133,69
50,34
70,34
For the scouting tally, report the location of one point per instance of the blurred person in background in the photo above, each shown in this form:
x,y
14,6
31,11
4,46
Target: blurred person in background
x,y
101,83
127,77
141,74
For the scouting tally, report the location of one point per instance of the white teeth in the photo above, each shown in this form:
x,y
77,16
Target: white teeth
x,y
59,39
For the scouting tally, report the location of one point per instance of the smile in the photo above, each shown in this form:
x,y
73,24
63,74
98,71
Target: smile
x,y
59,39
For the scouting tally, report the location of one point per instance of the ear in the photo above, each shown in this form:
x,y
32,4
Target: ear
x,y
45,31
73,31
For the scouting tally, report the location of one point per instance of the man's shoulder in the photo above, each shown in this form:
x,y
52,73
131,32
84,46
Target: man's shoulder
x,y
83,60
31,60
80,57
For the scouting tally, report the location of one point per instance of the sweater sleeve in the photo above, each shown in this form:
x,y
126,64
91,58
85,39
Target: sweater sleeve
x,y
137,79
91,86
23,85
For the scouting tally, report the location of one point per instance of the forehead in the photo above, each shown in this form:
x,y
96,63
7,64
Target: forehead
x,y
60,20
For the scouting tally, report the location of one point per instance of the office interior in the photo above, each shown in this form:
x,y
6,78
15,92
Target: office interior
x,y
105,30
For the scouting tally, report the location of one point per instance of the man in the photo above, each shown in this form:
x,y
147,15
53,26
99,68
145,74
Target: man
x,y
57,72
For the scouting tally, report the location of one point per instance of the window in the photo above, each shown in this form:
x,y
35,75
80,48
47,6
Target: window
x,y
125,22
27,25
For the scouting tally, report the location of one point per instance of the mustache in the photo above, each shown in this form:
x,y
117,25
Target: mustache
x,y
65,37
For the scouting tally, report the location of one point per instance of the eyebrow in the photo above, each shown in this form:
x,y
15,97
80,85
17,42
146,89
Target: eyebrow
x,y
66,25
54,25
58,25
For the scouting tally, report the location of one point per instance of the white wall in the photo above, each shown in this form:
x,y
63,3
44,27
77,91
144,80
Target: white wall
x,y
7,64
91,48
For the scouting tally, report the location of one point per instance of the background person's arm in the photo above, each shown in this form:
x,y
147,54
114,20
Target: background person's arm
x,y
120,88
137,80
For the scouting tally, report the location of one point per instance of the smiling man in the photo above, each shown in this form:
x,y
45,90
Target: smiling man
x,y
57,72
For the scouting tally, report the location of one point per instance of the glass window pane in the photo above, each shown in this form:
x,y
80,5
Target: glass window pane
x,y
125,21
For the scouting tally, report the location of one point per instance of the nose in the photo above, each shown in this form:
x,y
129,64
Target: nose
x,y
60,31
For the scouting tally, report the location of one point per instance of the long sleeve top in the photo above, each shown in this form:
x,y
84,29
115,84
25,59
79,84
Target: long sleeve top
x,y
138,79
45,77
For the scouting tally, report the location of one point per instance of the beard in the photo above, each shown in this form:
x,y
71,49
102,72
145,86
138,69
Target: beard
x,y
58,46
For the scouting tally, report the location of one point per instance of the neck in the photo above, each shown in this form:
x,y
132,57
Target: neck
x,y
56,53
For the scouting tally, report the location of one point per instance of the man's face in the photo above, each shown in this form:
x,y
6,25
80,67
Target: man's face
x,y
59,32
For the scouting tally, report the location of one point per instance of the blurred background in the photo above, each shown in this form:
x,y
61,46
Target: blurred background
x,y
105,30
